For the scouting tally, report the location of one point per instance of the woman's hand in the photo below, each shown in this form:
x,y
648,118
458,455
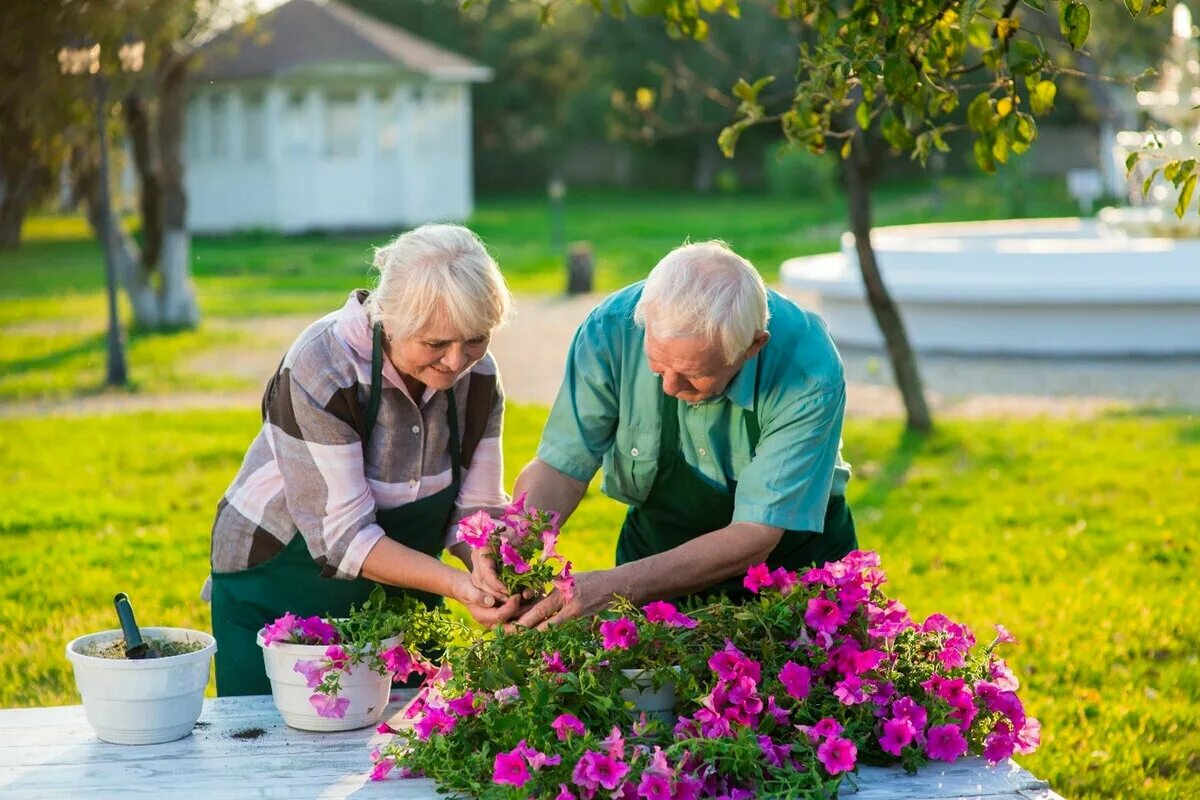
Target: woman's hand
x,y
486,609
593,592
484,574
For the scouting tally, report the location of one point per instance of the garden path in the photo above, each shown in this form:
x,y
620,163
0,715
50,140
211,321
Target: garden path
x,y
532,350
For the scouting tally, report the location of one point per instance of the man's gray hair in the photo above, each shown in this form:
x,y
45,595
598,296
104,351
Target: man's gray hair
x,y
705,289
438,269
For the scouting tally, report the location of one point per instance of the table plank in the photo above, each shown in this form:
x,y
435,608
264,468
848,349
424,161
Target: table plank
x,y
52,753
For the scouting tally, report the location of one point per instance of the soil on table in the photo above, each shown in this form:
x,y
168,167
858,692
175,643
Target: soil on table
x,y
161,647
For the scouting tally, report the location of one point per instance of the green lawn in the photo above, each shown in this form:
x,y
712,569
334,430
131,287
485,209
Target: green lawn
x,y
52,301
1079,536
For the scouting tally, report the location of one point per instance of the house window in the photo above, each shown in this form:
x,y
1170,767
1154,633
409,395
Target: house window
x,y
387,123
296,126
218,126
254,142
196,121
341,126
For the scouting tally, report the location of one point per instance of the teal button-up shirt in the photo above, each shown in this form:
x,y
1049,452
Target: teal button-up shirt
x,y
608,413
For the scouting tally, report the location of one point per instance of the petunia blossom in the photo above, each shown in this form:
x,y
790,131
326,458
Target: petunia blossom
x,y
618,634
510,556
554,662
945,743
399,662
898,732
313,671
758,577
837,755
566,724
317,629
1003,636
564,582
476,529
824,615
509,768
796,679
666,613
280,630
381,769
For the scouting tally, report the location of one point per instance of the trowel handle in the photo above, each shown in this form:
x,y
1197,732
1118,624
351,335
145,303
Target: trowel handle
x,y
133,637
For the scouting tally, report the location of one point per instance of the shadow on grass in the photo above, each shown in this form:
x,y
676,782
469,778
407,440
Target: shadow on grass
x,y
89,345
891,475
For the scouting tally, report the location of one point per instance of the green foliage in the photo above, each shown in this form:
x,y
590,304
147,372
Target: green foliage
x,y
799,174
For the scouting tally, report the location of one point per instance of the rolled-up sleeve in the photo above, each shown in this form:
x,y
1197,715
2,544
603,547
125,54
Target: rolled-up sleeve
x,y
583,421
320,456
787,483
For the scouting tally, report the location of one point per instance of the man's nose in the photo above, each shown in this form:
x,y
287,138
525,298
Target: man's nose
x,y
672,383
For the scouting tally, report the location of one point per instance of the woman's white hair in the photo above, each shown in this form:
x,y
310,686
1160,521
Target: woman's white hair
x,y
438,269
705,289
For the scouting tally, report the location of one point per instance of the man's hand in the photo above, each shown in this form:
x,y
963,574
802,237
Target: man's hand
x,y
484,574
484,607
594,591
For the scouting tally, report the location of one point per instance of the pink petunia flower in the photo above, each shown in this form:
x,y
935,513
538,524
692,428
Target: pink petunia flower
x,y
330,706
381,769
399,662
796,679
509,768
852,691
281,629
318,629
337,656
463,706
510,556
435,720
564,582
824,615
564,793
837,755
654,786
607,771
914,712
537,760
1003,636
566,724
476,529
618,634
758,577
383,727
666,613
1029,737
614,744
827,728
554,662
898,732
313,671
507,694
945,743
549,542
1000,744
784,580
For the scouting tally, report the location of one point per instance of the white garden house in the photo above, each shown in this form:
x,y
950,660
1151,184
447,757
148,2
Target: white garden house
x,y
320,117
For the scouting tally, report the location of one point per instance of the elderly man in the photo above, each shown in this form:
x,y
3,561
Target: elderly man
x,y
715,406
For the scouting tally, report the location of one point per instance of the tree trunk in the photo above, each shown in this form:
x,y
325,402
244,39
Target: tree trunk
x,y
145,160
708,161
179,306
22,178
859,176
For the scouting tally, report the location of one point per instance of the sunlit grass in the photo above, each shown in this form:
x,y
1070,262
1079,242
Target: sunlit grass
x,y
1078,536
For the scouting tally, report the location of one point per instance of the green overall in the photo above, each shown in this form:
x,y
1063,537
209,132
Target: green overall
x,y
242,602
682,506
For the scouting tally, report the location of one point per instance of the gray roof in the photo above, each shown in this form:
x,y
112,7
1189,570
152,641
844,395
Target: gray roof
x,y
309,33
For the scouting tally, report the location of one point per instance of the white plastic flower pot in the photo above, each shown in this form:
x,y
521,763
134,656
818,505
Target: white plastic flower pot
x,y
366,690
144,701
659,703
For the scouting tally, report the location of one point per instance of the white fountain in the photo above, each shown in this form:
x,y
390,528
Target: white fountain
x,y
1126,283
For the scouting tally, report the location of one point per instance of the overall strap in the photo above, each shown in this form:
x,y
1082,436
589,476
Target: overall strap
x,y
753,431
376,381
455,447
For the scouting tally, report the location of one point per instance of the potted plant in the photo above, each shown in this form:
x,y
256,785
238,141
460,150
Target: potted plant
x,y
783,696
336,674
148,700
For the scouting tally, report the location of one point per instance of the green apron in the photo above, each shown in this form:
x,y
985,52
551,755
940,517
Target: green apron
x,y
244,601
682,506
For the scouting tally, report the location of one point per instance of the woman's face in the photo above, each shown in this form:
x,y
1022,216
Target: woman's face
x,y
437,355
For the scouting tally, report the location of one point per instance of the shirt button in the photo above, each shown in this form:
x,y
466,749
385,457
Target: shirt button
x,y
635,452
416,428
703,452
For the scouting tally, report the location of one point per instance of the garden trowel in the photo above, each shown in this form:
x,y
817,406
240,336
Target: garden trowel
x,y
134,646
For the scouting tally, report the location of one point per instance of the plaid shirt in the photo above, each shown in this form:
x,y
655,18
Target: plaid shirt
x,y
305,472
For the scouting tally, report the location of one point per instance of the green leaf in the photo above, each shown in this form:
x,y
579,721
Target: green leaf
x,y
862,115
1075,20
1041,97
1157,7
1134,6
1146,184
979,113
983,155
1039,5
1172,172
1024,57
1185,195
1000,147
1131,160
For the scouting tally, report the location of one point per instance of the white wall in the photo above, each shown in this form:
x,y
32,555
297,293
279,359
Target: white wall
x,y
337,155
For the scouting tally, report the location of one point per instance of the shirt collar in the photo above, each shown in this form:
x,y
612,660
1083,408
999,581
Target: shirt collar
x,y
355,329
740,390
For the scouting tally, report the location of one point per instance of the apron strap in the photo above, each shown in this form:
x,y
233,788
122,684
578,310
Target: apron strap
x,y
376,381
455,447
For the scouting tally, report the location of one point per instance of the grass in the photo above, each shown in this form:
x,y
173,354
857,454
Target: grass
x,y
52,307
1079,536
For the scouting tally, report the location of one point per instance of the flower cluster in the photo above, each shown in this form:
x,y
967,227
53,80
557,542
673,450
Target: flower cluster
x,y
523,540
372,635
791,691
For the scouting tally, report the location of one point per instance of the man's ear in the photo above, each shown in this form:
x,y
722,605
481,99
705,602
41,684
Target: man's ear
x,y
757,343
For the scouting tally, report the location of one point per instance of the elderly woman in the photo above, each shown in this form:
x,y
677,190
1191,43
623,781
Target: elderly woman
x,y
381,428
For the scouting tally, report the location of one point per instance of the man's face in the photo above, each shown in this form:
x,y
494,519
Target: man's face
x,y
692,368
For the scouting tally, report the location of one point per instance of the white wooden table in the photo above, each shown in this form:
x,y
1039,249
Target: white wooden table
x,y
241,749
